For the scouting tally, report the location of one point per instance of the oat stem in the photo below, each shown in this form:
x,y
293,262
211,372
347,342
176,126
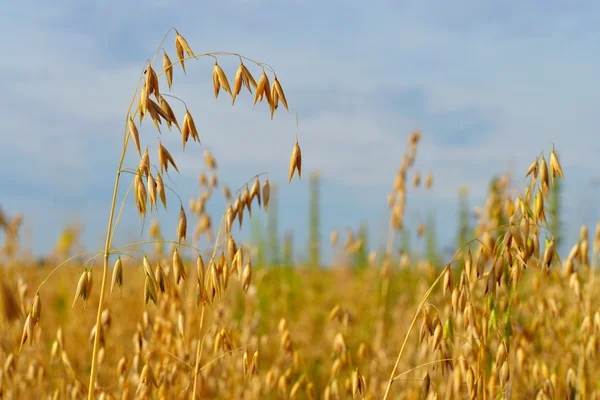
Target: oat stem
x,y
410,328
198,353
109,236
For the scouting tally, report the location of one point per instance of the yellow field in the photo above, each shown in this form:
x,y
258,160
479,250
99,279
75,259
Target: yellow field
x,y
506,317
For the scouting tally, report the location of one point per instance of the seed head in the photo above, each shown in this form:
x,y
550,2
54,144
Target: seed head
x,y
266,194
133,132
182,226
295,162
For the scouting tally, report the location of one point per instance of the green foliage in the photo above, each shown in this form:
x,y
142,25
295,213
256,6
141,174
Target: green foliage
x,y
430,240
554,220
463,217
258,240
288,249
314,242
361,258
274,254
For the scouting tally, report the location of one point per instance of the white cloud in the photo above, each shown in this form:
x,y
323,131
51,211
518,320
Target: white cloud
x,y
532,77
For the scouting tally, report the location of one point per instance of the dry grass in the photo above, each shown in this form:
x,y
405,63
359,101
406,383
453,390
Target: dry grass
x,y
506,317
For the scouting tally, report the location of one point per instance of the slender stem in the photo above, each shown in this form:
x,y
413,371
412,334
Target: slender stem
x,y
412,324
103,286
198,353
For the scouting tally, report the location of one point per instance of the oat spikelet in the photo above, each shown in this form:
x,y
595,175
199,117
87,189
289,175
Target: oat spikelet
x,y
144,98
182,226
274,100
182,45
117,276
36,308
27,331
220,80
533,169
189,128
168,67
81,290
255,191
237,82
160,189
262,89
280,94
133,132
266,194
544,175
178,267
168,111
152,191
248,79
247,277
152,82
555,167
295,162
160,278
164,158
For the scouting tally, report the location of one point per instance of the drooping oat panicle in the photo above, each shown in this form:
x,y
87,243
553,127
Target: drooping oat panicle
x,y
160,189
295,162
168,68
182,226
165,158
133,132
117,275
266,194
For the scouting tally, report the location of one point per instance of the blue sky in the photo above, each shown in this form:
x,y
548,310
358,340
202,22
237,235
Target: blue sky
x,y
489,84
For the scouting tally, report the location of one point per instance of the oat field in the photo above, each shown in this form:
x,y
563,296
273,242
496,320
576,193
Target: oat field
x,y
505,317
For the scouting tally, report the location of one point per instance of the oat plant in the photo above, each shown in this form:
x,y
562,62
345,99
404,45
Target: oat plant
x,y
152,102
